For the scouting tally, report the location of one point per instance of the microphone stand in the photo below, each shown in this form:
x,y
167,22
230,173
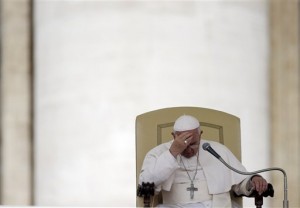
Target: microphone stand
x,y
285,201
207,147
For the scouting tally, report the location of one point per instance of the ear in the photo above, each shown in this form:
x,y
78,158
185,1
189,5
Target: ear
x,y
173,134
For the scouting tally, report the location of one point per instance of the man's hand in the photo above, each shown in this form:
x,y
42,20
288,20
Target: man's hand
x,y
259,184
181,141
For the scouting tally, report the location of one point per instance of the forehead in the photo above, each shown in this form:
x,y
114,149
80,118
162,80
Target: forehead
x,y
193,131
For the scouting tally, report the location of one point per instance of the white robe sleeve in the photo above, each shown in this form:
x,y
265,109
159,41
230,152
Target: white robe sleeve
x,y
158,167
243,188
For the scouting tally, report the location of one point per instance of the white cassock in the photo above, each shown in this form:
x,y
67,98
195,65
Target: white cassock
x,y
213,179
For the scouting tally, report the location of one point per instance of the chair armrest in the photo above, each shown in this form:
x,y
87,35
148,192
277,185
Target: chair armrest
x,y
268,192
259,198
146,190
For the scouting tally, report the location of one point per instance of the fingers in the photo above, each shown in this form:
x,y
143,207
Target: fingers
x,y
259,184
188,141
185,136
180,143
184,139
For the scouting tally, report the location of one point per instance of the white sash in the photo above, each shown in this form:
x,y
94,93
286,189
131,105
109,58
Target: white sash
x,y
180,195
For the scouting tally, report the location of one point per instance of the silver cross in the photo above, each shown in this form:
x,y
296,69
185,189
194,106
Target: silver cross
x,y
192,189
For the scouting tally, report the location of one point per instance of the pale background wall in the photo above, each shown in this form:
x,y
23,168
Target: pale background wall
x,y
100,63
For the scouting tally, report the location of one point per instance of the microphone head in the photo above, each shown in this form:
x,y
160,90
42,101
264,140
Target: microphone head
x,y
205,146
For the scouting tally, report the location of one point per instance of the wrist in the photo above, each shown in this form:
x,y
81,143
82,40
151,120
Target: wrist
x,y
174,153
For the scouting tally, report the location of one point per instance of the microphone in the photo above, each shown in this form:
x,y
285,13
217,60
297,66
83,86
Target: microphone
x,y
207,147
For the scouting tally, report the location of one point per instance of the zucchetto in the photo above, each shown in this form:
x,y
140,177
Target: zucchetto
x,y
185,123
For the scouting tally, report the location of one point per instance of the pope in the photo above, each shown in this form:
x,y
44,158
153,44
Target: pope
x,y
188,176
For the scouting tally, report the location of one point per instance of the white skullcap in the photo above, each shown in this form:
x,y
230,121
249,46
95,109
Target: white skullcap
x,y
185,123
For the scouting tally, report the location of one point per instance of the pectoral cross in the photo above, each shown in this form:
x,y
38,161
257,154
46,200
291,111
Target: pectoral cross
x,y
192,189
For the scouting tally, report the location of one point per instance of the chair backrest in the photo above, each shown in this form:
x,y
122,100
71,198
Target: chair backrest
x,y
155,127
